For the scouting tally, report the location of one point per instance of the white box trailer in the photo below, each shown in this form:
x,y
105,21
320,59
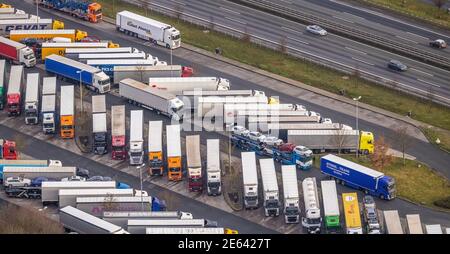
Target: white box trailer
x,y
14,105
48,105
213,167
83,223
190,98
56,173
392,222
325,139
98,104
148,29
155,147
162,102
434,229
4,11
231,110
184,231
284,119
121,218
312,220
69,196
414,224
213,105
139,226
250,179
140,55
271,193
180,84
50,189
330,205
194,163
48,85
15,16
32,99
290,192
98,205
2,83
136,151
143,73
73,51
8,25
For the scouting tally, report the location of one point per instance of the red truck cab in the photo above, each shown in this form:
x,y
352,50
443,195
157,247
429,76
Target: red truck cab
x,y
13,104
187,71
195,180
118,148
8,149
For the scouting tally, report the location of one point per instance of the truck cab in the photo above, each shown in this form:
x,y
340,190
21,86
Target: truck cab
x,y
8,150
366,142
48,123
94,12
172,38
195,179
26,56
67,126
136,153
102,82
175,106
118,148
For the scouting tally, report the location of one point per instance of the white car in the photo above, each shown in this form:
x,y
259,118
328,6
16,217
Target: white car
x,y
302,150
73,179
256,136
272,141
313,113
239,130
327,120
315,29
17,182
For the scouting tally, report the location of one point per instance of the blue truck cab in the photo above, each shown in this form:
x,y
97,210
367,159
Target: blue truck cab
x,y
359,177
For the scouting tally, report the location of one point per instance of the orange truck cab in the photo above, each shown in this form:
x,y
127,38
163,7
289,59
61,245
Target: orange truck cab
x,y
94,12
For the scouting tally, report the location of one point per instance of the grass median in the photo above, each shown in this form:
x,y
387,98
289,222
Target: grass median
x,y
300,70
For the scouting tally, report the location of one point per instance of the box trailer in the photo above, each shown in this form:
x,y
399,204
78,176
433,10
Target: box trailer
x,y
48,105
67,112
99,56
194,163
99,129
8,25
271,194
32,99
71,52
56,173
155,148
2,83
392,222
414,224
184,231
330,205
143,73
352,213
213,167
50,189
59,48
17,52
136,150
14,95
312,220
81,222
160,101
250,180
177,85
148,29
174,159
107,65
72,34
121,218
26,164
139,226
434,229
98,205
212,106
290,193
118,140
69,196
15,16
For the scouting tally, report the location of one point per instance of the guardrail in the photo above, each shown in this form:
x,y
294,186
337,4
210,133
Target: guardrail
x,y
347,31
301,54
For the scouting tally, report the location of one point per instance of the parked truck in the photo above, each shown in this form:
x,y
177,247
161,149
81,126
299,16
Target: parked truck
x,y
136,151
174,159
290,192
67,112
87,10
155,148
73,52
52,172
48,108
44,35
160,101
139,226
213,167
250,109
16,16
59,48
92,77
99,129
2,83
69,196
32,99
271,194
50,189
17,52
178,85
330,206
120,218
212,106
148,29
14,95
281,129
312,221
414,224
434,229
359,177
100,56
34,23
392,222
250,180
98,205
27,164
81,222
352,213
118,139
107,65
143,73
194,163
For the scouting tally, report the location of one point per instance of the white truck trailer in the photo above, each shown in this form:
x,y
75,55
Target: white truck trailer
x,y
136,151
120,218
291,196
174,159
148,29
414,224
312,220
32,99
142,73
155,148
213,167
179,84
16,52
330,205
434,229
48,107
76,51
270,187
194,163
212,106
50,189
81,222
56,173
250,180
392,222
98,205
99,129
83,57
69,196
139,226
231,110
160,101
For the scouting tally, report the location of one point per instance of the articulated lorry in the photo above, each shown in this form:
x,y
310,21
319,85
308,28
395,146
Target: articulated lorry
x,y
74,52
16,16
32,99
231,110
312,221
281,129
330,206
194,163
87,10
392,223
99,129
17,52
271,194
69,196
250,180
352,213
98,205
143,73
139,226
174,159
107,65
34,23
81,222
48,108
2,83
27,164
265,120
136,150
93,78
56,173
67,112
160,101
14,95
212,106
50,189
120,218
178,85
59,48
358,177
414,224
290,192
118,138
148,29
213,167
155,148
43,35
100,56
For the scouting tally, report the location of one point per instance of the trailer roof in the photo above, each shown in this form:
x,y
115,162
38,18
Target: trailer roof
x,y
98,104
15,78
270,112
67,99
279,119
323,132
48,103
351,209
182,79
144,19
249,173
144,87
32,88
414,224
12,43
73,63
74,44
392,221
98,50
218,93
434,229
233,99
161,214
112,55
290,184
173,140
143,222
107,199
99,122
24,21
303,126
49,85
76,184
213,154
268,175
118,120
121,62
193,151
112,191
145,68
136,125
24,162
46,31
310,194
39,169
329,196
72,211
352,165
184,231
155,129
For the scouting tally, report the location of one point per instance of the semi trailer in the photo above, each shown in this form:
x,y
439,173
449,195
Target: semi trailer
x,y
97,206
143,73
330,206
17,52
32,99
72,34
178,85
120,218
290,192
50,189
48,107
52,172
213,167
271,194
312,221
67,112
136,150
250,180
14,95
352,213
69,196
99,129
34,23
194,163
118,139
392,222
174,159
155,148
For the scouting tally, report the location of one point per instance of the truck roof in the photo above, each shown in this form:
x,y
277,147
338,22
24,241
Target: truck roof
x,y
15,78
141,55
219,93
90,219
193,151
352,165
2,72
323,132
249,173
162,222
45,31
161,214
99,122
141,86
73,63
121,62
106,199
182,79
39,169
98,104
351,210
48,103
233,99
32,88
71,192
434,229
280,119
23,162
144,19
184,231
74,44
76,184
213,154
414,224
329,196
155,129
173,140
268,175
271,112
5,22
136,125
67,100
392,222
290,184
262,107
98,50
49,85
303,126
145,68
118,120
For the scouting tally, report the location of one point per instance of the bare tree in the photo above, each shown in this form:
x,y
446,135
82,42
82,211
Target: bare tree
x,y
403,140
283,44
439,3
109,204
340,140
380,157
140,69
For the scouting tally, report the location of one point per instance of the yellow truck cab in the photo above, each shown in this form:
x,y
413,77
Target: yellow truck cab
x,y
57,24
366,142
5,6
113,45
229,231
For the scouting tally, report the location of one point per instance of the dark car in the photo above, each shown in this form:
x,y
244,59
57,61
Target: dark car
x,y
95,178
83,172
37,182
397,65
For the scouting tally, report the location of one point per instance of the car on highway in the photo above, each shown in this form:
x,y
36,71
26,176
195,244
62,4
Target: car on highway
x,y
17,182
256,136
272,141
73,179
397,65
440,44
315,29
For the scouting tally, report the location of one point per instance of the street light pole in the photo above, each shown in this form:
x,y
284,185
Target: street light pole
x,y
81,91
140,175
357,118
171,74
37,14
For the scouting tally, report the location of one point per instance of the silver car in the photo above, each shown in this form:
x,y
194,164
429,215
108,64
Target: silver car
x,y
315,29
17,182
272,141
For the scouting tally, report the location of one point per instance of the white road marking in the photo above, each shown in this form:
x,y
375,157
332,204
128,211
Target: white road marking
x,y
228,10
359,51
235,20
304,42
289,2
291,29
426,73
353,15
423,37
349,21
362,61
403,38
178,2
429,83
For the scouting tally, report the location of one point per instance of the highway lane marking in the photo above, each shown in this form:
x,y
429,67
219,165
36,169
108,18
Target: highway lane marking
x,y
291,29
235,20
426,73
403,38
353,15
426,38
343,19
228,10
359,51
304,42
429,83
289,2
177,2
362,61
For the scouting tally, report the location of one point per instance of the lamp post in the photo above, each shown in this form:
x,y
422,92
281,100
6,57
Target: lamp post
x,y
37,14
357,110
81,91
140,175
171,74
